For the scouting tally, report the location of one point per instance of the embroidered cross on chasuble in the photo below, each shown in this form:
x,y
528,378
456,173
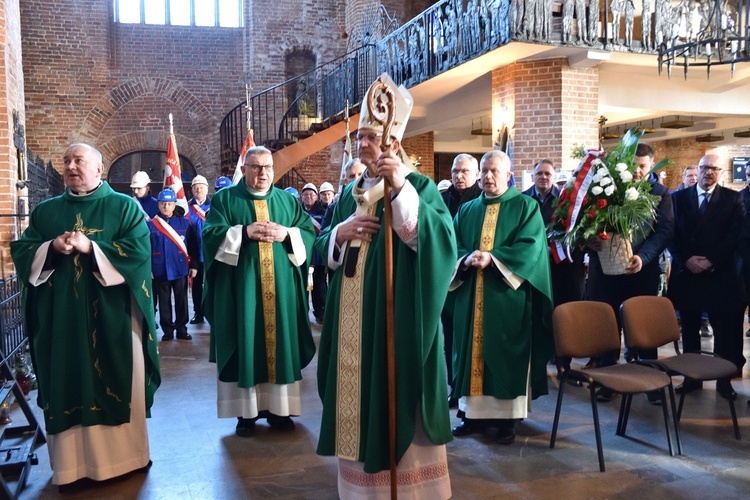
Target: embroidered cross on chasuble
x,y
268,291
486,243
350,332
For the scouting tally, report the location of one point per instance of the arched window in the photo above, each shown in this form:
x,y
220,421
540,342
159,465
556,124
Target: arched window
x,y
151,162
298,63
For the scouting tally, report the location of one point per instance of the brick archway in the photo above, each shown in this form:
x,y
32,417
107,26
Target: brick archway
x,y
108,106
123,144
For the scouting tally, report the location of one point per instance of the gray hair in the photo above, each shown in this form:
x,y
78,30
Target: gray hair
x,y
96,152
466,158
258,150
496,153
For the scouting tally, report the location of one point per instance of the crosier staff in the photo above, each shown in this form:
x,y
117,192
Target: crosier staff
x,y
381,105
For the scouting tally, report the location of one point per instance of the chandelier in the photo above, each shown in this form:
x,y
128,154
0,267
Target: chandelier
x,y
705,33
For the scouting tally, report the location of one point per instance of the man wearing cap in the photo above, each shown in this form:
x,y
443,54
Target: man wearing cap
x,y
197,208
222,182
352,365
326,194
142,194
84,265
316,210
257,243
171,236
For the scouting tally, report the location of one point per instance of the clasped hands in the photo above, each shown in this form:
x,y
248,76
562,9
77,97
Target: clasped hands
x,y
266,231
698,264
478,259
71,242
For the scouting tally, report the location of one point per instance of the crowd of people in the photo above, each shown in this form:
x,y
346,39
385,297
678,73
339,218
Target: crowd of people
x,y
473,290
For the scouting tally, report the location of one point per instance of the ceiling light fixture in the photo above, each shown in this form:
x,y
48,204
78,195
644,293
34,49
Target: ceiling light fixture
x,y
709,138
720,36
677,123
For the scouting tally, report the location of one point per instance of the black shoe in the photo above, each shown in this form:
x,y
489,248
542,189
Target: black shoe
x,y
725,390
506,432
464,428
604,395
452,403
245,427
654,397
280,423
196,319
167,336
689,385
185,336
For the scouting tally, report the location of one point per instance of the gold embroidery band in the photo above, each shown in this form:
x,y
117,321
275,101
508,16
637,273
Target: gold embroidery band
x,y
486,243
268,291
349,357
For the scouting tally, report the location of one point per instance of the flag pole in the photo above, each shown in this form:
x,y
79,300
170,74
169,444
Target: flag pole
x,y
347,153
171,125
384,112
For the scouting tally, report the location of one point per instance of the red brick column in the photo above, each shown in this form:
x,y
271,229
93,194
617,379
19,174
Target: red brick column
x,y
548,108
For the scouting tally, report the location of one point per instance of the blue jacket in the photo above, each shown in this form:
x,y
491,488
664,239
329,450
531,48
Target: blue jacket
x,y
149,203
167,261
196,254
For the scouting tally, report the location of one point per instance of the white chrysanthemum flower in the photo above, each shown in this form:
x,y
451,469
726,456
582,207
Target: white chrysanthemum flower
x,y
621,167
626,176
605,181
631,194
597,162
609,190
597,190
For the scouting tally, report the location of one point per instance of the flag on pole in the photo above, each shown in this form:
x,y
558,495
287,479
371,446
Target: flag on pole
x,y
249,141
347,148
172,171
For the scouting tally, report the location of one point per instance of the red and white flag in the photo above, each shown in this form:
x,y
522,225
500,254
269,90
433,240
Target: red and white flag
x,y
249,143
172,170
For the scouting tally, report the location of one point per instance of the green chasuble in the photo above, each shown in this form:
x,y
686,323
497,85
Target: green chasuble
x,y
81,331
353,340
517,324
260,331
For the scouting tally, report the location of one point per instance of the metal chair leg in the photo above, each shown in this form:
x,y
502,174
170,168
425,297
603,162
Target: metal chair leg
x,y
597,431
734,419
557,410
665,411
675,419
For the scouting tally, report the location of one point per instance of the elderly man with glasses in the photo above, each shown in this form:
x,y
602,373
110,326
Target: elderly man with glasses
x,y
257,242
705,273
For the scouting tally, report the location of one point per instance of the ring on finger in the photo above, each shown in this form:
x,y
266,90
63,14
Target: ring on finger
x,y
360,229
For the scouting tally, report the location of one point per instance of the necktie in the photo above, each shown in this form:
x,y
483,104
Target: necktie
x,y
704,204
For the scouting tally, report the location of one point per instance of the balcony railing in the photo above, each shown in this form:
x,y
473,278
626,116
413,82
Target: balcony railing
x,y
442,37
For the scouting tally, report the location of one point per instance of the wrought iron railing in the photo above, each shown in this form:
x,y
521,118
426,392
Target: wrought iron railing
x,y
444,36
12,332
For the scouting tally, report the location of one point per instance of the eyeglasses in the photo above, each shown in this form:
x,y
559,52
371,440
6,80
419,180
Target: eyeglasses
x,y
371,137
709,167
258,168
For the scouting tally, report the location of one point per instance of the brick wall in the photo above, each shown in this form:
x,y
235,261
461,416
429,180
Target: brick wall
x,y
548,107
114,85
422,148
11,101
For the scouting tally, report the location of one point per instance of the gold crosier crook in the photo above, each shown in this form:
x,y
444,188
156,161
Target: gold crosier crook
x,y
381,105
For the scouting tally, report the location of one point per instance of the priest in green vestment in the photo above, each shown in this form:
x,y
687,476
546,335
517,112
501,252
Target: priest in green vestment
x,y
257,243
503,304
85,265
352,367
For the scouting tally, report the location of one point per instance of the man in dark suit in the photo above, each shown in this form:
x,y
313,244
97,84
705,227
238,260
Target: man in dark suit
x,y
642,273
567,277
705,272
